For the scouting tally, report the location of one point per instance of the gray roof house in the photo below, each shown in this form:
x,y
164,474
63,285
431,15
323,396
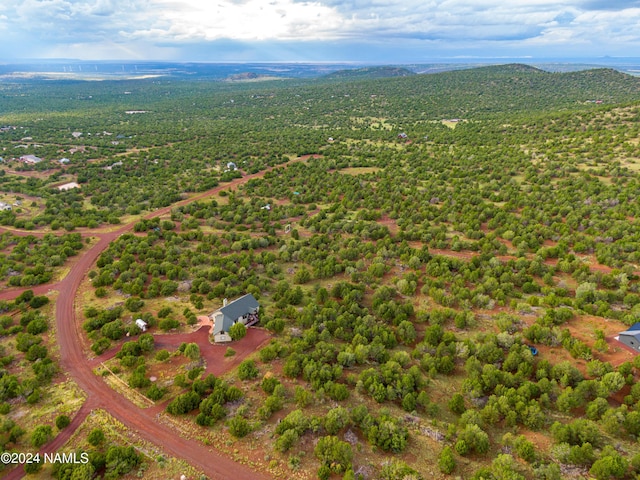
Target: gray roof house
x,y
631,337
30,159
243,310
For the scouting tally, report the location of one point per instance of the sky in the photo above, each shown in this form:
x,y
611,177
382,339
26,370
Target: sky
x,y
380,31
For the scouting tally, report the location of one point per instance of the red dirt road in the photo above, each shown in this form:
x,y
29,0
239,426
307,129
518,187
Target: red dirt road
x,y
143,421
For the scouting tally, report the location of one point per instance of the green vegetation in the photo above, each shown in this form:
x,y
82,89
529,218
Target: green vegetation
x,y
404,278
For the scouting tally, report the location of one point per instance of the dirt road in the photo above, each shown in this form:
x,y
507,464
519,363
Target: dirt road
x,y
99,395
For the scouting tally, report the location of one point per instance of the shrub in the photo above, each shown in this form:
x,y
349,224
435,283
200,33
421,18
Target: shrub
x,y
237,331
162,355
238,426
121,460
62,421
247,370
41,435
155,393
446,460
286,441
96,437
334,453
456,404
167,324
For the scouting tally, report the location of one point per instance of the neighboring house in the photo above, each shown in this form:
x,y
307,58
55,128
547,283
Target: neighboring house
x,y
5,207
68,186
243,310
231,166
141,324
631,337
64,161
116,164
32,159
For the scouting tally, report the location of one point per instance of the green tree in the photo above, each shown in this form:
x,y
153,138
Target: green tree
x,y
238,426
446,460
121,460
62,421
192,351
41,435
237,331
609,466
96,437
334,453
247,370
456,404
406,332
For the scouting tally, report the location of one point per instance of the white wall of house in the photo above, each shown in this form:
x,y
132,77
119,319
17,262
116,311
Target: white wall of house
x,y
221,338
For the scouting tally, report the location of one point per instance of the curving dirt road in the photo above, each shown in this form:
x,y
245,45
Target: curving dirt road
x,y
99,395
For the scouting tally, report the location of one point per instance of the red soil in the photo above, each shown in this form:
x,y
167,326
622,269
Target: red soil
x,y
99,395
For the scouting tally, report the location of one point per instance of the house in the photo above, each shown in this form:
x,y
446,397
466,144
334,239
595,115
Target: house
x,y
402,135
5,207
68,186
64,161
116,164
141,324
631,337
231,166
31,159
243,310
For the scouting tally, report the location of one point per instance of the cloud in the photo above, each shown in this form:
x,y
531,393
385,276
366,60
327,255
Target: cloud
x,y
616,5
174,28
191,20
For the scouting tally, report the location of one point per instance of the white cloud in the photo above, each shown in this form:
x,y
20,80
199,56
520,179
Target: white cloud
x,y
135,28
191,20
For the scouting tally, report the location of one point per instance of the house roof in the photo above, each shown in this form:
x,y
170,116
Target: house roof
x,y
240,306
233,310
633,330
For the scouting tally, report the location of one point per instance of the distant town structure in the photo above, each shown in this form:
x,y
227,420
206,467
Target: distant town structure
x,y
68,186
5,207
244,310
631,337
115,164
30,159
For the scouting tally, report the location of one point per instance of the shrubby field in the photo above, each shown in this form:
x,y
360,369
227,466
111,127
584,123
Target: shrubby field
x,y
442,262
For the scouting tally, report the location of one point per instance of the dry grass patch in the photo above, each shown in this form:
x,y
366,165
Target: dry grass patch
x,y
63,398
359,170
119,383
156,465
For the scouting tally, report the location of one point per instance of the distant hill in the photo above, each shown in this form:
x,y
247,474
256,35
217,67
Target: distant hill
x,y
369,72
506,88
